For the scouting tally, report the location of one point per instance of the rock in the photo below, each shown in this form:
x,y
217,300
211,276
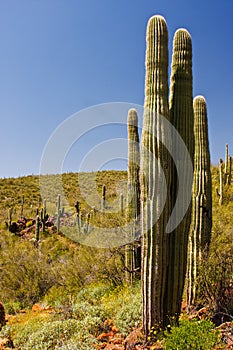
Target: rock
x,y
36,307
226,330
6,343
133,339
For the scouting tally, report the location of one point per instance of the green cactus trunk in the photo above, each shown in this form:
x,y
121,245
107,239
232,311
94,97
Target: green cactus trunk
x,y
103,199
181,116
133,251
221,180
37,229
230,170
59,211
200,233
154,161
226,168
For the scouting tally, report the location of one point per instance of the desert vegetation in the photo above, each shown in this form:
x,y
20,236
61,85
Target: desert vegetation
x,y
67,283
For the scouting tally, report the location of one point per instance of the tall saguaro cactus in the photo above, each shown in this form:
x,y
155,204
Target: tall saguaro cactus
x,y
154,162
132,252
181,117
200,233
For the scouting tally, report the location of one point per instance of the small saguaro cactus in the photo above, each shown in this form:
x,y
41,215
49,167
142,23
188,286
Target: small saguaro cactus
x,y
59,211
37,230
22,206
226,168
121,204
181,117
103,201
154,244
10,213
230,170
132,252
200,232
221,180
44,216
77,207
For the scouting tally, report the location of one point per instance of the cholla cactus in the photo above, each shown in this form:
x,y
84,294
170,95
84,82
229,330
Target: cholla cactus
x,y
200,233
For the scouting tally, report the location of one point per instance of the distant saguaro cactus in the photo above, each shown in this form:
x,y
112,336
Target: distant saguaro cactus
x,y
154,160
227,167
133,252
230,170
200,233
181,117
221,181
103,202
59,211
37,229
44,215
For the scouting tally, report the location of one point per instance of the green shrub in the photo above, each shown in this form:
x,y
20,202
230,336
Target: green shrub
x,y
124,304
12,307
193,335
47,335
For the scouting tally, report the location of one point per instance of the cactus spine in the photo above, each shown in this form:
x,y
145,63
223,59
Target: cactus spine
x,y
154,248
132,253
200,233
181,116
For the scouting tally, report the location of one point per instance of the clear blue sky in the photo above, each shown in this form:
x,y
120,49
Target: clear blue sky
x,y
60,56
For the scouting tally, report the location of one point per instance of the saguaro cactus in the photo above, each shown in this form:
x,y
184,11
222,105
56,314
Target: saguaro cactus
x,y
44,215
10,213
133,252
154,159
59,211
227,167
200,233
230,170
103,201
22,206
37,229
220,191
181,116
